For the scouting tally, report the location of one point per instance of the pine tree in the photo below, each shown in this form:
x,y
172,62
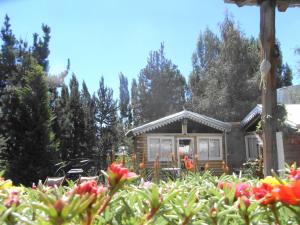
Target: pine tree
x,y
287,76
224,83
106,119
135,104
78,147
88,105
34,160
64,126
40,49
161,88
284,74
10,80
124,103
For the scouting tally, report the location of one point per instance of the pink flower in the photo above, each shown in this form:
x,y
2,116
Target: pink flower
x,y
118,173
242,189
13,199
245,201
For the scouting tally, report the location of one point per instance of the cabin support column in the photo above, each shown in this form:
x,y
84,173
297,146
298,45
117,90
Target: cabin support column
x,y
225,143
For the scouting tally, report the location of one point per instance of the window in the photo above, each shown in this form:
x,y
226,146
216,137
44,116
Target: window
x,y
162,146
185,147
210,148
252,146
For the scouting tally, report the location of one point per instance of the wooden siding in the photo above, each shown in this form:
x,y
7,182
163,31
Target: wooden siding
x,y
141,148
292,148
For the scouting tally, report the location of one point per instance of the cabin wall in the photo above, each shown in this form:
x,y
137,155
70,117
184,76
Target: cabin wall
x,y
141,148
236,147
291,144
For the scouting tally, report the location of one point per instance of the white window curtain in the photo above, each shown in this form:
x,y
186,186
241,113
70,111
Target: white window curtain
x,y
210,148
162,146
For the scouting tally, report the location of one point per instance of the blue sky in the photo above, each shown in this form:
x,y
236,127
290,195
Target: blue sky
x,y
108,37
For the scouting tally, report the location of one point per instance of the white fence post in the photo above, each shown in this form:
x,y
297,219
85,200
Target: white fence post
x,y
280,151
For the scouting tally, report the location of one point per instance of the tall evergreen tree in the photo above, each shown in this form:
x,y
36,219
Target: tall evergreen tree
x,y
33,161
89,107
124,101
76,119
135,104
11,78
284,74
64,126
106,119
225,80
161,88
287,76
40,49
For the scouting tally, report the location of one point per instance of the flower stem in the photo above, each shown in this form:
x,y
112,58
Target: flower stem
x,y
105,204
186,220
89,218
275,213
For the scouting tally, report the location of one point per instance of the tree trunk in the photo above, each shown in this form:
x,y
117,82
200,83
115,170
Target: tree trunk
x,y
269,99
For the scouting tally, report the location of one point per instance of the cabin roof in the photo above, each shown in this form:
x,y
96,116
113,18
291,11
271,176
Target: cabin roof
x,y
292,120
282,5
185,114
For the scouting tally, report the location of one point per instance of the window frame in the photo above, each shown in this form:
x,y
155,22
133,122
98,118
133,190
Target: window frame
x,y
160,138
247,137
210,137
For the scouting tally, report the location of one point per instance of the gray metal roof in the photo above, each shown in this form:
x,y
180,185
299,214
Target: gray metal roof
x,y
251,115
185,114
292,120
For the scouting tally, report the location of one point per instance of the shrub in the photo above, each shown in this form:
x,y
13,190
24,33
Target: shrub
x,y
192,199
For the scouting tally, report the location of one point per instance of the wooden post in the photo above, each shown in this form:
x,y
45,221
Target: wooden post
x,y
269,101
280,150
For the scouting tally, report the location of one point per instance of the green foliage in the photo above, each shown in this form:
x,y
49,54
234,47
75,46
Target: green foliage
x,y
160,89
284,76
124,104
106,119
224,80
25,113
34,159
193,199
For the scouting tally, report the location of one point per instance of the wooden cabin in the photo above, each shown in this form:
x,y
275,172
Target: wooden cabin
x,y
169,139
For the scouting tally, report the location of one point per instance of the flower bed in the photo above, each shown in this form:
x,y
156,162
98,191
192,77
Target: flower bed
x,y
127,199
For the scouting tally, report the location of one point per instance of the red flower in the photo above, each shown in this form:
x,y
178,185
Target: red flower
x,y
59,205
188,163
117,173
264,193
223,185
89,187
294,174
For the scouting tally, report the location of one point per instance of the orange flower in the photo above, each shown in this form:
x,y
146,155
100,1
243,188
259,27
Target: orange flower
x,y
188,163
288,194
142,165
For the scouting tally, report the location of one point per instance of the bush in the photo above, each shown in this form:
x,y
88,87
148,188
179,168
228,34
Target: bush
x,y
193,199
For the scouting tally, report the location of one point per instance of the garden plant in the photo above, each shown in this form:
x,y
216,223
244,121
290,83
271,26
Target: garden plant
x,y
126,198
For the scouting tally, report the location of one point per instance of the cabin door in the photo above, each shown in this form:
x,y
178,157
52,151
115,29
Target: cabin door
x,y
185,147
